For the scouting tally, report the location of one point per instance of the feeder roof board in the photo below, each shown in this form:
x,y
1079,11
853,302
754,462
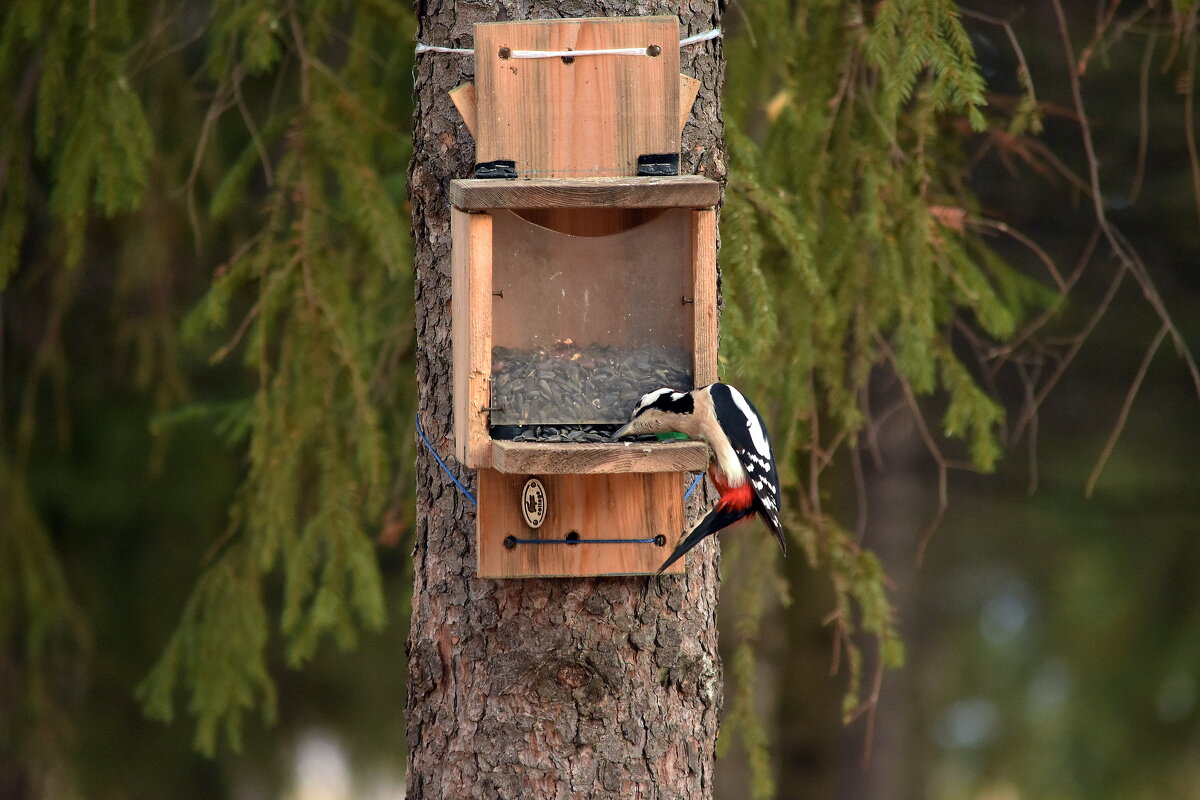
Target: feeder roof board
x,y
685,191
592,116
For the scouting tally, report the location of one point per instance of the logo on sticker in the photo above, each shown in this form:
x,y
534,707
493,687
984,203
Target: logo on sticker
x,y
533,503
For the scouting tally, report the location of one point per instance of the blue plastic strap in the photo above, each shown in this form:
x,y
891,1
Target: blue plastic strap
x,y
583,541
461,488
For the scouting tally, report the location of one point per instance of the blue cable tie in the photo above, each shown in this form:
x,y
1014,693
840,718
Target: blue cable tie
x,y
584,541
461,488
692,488
511,541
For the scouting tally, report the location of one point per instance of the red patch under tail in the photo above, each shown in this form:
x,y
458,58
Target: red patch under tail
x,y
733,498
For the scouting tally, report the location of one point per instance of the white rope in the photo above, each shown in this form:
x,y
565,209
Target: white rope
x,y
617,51
432,48
696,38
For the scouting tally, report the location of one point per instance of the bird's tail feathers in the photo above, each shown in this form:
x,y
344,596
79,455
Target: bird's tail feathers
x,y
777,532
714,521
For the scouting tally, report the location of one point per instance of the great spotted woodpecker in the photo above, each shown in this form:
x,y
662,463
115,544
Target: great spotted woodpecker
x,y
742,470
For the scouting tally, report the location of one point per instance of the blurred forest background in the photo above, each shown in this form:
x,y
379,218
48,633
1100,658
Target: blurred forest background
x,y
206,380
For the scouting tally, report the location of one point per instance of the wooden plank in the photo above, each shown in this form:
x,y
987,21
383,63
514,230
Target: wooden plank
x,y
592,222
689,89
463,97
593,116
460,327
704,294
471,334
629,506
680,191
529,458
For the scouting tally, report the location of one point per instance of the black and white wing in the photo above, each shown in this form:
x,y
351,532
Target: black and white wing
x,y
744,426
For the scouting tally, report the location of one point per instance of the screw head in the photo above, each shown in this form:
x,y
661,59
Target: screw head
x,y
653,51
505,52
568,59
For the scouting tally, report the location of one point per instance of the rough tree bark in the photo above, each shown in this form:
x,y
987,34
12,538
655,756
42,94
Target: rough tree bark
x,y
586,688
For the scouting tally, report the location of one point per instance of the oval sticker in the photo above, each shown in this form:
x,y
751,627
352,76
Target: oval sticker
x,y
533,503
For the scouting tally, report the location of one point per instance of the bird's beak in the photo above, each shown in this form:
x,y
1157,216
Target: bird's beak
x,y
623,431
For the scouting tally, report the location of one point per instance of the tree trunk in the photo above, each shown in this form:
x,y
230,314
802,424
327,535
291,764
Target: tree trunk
x,y
576,688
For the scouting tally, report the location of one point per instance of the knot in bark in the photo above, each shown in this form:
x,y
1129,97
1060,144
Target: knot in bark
x,y
571,676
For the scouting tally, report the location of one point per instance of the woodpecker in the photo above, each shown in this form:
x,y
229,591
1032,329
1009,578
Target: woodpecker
x,y
742,469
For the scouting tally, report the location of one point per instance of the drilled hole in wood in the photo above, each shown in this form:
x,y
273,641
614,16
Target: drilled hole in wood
x,y
660,541
653,51
505,52
510,542
572,538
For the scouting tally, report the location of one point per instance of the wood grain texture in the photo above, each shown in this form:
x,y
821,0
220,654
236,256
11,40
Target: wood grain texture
x,y
588,221
679,191
704,295
471,334
689,87
592,289
463,97
530,458
593,116
629,506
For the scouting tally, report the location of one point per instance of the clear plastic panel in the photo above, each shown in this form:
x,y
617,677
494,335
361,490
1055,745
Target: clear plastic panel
x,y
583,326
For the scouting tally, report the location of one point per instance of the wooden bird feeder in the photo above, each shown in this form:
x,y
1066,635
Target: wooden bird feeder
x,y
583,277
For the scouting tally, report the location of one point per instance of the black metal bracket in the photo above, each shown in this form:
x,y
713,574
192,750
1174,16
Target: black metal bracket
x,y
658,165
500,168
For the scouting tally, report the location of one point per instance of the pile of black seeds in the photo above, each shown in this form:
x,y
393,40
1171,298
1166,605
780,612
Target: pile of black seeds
x,y
562,433
572,388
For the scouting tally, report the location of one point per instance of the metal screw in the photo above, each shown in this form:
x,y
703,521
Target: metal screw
x,y
499,294
687,301
653,51
659,540
505,52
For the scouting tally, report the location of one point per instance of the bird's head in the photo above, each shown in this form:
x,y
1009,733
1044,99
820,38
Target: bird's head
x,y
660,411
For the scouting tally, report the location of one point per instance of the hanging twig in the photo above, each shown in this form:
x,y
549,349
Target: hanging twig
x,y
1076,344
1123,417
931,446
1189,122
1012,40
1001,353
1043,256
1139,173
252,127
